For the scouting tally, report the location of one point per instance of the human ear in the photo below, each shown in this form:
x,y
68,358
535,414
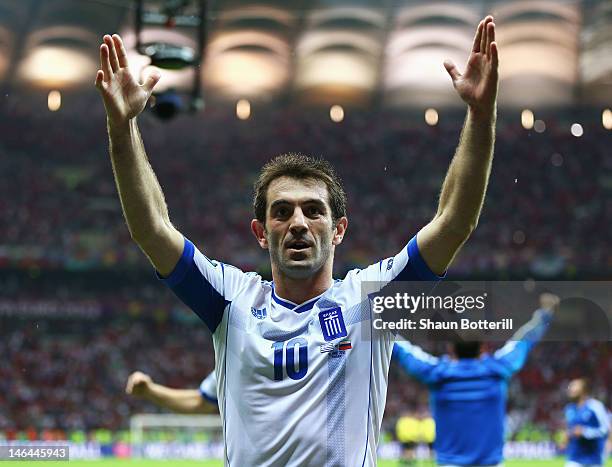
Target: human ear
x,y
259,230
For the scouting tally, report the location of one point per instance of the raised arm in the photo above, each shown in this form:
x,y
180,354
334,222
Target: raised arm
x,y
466,181
142,199
415,361
187,401
514,353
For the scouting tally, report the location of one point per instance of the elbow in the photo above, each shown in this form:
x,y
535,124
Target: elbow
x,y
461,228
140,236
464,231
146,235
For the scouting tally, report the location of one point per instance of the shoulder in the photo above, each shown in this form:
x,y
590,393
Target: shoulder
x,y
352,274
595,406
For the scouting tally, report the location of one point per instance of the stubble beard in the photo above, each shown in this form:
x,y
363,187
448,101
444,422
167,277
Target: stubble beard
x,y
305,269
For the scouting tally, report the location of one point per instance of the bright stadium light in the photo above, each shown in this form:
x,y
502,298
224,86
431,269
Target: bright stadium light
x,y
56,66
431,117
336,113
527,119
577,130
606,119
54,100
539,126
243,109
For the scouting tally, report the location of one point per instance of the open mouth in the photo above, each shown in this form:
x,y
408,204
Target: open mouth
x,y
298,249
298,245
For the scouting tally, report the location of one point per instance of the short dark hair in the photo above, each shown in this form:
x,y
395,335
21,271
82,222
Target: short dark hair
x,y
300,167
468,349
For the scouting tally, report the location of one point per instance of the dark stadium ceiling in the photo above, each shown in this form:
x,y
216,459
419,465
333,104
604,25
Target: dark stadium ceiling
x,y
552,52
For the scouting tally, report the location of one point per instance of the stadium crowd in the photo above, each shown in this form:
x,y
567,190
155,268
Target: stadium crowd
x,y
548,198
549,192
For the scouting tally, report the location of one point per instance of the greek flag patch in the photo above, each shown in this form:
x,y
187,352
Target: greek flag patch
x,y
332,324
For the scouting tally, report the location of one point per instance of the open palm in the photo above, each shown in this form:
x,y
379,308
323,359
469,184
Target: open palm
x,y
477,86
124,98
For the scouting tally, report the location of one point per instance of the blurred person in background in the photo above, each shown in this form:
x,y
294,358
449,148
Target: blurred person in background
x,y
407,433
588,426
427,431
187,401
468,390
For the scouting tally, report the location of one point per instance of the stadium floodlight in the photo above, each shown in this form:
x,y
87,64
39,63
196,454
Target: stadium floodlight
x,y
170,56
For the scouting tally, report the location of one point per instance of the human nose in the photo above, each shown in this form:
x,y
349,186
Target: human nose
x,y
298,222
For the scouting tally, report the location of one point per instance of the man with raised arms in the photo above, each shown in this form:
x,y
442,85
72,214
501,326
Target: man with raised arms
x,y
301,373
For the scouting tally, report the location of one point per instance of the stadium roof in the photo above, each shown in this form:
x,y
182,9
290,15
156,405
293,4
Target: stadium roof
x,y
344,51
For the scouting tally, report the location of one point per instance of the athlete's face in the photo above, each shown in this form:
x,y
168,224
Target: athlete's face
x,y
575,390
299,230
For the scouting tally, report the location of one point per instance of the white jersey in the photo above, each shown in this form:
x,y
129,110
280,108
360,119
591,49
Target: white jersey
x,y
298,384
208,388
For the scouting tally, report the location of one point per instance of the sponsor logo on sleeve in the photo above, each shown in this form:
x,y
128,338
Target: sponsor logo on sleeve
x,y
259,313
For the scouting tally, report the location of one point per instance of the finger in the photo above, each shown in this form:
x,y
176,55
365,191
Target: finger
x,y
151,81
105,63
452,70
112,53
483,39
490,36
494,55
477,37
99,79
121,53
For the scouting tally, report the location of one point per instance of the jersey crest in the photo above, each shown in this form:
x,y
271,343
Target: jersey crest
x,y
332,324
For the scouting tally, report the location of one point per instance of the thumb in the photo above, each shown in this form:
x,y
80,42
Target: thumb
x,y
151,81
452,70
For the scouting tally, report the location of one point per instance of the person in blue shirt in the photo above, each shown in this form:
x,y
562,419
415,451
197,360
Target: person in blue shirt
x,y
588,426
468,390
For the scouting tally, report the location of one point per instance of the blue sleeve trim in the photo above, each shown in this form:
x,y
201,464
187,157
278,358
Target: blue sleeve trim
x,y
193,289
416,261
179,271
206,397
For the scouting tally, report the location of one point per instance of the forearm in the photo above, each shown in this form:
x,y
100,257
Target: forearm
x,y
534,329
142,199
176,400
466,181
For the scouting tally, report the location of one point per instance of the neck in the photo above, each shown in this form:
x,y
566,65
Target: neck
x,y
582,400
301,290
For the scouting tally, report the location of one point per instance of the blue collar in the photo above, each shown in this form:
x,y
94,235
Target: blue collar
x,y
307,305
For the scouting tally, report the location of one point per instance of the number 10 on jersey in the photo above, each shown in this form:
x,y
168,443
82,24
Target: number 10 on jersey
x,y
285,359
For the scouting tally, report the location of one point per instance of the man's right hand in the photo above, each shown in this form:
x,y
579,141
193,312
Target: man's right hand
x,y
138,384
124,98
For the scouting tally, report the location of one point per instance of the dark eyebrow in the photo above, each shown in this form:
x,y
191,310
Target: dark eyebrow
x,y
280,202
